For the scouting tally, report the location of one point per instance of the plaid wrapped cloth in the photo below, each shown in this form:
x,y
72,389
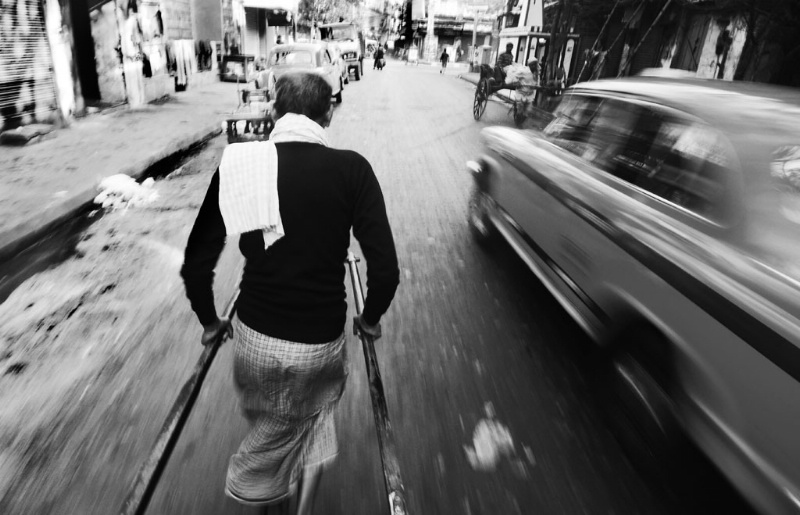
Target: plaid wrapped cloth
x,y
288,392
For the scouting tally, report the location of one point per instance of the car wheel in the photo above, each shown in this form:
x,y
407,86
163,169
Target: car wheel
x,y
480,224
634,389
358,74
338,95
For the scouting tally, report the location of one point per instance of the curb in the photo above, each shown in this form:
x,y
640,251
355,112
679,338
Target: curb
x,y
27,233
467,79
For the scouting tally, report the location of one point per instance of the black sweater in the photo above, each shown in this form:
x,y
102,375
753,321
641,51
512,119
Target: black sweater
x,y
295,289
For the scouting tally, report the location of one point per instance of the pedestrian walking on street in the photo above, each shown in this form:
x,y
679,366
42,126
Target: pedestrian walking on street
x,y
444,58
379,62
293,200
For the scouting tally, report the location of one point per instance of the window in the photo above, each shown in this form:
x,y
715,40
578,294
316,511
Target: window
x,y
785,173
569,128
692,161
681,160
347,33
620,138
326,57
785,168
289,58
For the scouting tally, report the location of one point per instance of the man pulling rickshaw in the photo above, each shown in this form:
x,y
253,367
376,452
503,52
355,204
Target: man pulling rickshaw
x,y
506,74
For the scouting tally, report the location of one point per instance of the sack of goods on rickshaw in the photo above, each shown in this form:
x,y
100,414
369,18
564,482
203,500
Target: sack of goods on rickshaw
x,y
519,74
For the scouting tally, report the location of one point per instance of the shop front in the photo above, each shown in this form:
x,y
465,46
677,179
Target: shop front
x,y
267,23
27,85
453,35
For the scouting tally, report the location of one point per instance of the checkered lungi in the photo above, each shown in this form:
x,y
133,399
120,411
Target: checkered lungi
x,y
287,391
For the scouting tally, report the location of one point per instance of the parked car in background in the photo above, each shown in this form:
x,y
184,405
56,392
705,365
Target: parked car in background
x,y
664,216
315,57
350,40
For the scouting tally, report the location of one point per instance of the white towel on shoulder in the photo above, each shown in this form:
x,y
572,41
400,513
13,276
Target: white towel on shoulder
x,y
248,178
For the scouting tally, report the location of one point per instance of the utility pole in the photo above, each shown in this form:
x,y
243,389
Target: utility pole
x,y
474,40
477,17
430,37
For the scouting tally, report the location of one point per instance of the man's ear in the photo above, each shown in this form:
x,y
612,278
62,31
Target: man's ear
x,y
328,117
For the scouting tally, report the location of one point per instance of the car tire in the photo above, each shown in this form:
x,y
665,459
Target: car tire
x,y
481,226
634,387
358,74
338,96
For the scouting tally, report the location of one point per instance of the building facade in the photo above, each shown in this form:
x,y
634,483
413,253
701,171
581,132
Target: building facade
x,y
455,23
60,57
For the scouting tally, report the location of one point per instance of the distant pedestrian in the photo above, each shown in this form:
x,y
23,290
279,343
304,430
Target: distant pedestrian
x,y
379,62
444,58
294,201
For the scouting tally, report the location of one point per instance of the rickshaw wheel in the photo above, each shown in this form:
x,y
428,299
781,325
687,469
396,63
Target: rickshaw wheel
x,y
481,98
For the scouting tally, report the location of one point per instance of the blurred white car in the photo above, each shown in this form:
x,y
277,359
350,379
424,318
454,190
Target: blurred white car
x,y
314,57
664,216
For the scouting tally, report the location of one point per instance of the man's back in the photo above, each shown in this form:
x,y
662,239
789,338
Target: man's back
x,y
295,290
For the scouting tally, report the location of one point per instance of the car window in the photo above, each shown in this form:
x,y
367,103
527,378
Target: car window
x,y
326,58
339,33
290,57
681,160
569,128
616,141
785,168
674,157
691,164
785,173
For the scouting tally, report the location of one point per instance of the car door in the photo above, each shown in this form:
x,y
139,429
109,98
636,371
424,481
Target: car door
x,y
530,192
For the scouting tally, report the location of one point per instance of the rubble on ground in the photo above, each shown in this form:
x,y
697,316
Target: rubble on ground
x,y
122,191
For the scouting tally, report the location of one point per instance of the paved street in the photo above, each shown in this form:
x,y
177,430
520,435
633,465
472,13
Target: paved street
x,y
471,335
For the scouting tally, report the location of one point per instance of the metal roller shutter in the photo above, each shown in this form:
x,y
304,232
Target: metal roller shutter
x,y
26,66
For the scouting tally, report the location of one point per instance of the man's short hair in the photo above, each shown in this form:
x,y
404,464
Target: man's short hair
x,y
509,46
303,93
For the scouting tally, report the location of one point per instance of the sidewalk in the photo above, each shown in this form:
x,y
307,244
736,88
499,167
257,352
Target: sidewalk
x,y
47,182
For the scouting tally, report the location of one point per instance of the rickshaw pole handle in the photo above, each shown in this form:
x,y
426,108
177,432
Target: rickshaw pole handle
x,y
386,442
